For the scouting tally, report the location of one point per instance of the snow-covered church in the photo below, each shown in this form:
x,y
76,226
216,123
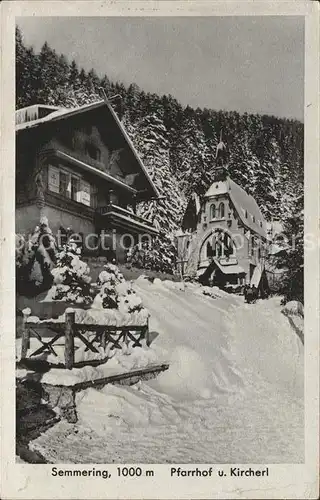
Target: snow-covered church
x,y
223,238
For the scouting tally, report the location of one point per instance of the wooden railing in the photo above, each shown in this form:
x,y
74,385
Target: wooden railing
x,y
116,209
70,330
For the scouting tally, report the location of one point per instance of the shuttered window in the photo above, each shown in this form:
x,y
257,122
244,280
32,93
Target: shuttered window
x,y
68,185
85,193
53,179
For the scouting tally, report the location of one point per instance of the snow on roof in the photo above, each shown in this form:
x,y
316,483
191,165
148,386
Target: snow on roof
x,y
275,249
230,269
218,187
244,203
63,113
57,115
252,217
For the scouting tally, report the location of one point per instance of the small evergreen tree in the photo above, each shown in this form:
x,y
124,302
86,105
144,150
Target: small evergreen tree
x,y
71,276
35,259
115,292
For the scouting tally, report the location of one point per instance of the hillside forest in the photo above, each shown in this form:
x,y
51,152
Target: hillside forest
x,y
178,143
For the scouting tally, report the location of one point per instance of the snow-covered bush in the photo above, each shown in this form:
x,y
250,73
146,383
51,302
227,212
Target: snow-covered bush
x,y
293,308
71,276
159,256
35,259
115,292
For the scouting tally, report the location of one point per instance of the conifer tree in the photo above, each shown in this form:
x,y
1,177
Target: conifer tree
x,y
194,159
152,144
293,259
71,276
243,164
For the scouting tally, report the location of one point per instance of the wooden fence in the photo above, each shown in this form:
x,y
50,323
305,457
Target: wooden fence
x,y
70,330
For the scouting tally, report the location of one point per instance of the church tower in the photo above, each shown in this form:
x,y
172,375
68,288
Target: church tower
x,y
221,170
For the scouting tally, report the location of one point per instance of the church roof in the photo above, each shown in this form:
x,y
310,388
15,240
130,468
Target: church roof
x,y
245,205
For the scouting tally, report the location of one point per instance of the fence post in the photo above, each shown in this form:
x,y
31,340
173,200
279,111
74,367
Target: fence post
x,y
25,340
147,334
104,340
69,338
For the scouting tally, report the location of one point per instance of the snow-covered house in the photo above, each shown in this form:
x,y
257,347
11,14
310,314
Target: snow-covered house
x,y
78,168
224,234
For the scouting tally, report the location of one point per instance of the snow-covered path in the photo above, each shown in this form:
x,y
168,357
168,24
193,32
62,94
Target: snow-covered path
x,y
233,393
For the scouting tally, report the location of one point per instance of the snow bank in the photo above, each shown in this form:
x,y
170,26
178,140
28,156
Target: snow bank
x,y
118,407
188,376
119,362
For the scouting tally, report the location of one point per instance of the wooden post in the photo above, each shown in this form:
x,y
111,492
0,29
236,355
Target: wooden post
x,y
25,340
182,275
126,340
147,334
69,338
104,340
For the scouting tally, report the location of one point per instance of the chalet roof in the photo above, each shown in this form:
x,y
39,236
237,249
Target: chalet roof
x,y
246,206
64,113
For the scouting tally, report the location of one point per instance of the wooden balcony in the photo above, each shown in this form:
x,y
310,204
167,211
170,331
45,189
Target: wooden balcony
x,y
119,216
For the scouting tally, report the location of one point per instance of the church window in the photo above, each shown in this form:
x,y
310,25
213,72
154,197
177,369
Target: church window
x,y
213,211
221,210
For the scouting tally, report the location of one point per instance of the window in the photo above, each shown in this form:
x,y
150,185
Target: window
x,y
221,210
69,185
246,214
93,152
253,219
75,188
63,185
213,211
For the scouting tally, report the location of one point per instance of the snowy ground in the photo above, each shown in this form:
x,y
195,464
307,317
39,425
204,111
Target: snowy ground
x,y
233,392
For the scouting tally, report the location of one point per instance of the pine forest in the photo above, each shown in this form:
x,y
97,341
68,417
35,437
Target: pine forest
x,y
177,144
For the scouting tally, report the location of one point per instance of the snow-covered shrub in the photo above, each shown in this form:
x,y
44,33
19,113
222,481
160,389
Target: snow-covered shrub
x,y
35,259
71,276
115,292
293,308
159,256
